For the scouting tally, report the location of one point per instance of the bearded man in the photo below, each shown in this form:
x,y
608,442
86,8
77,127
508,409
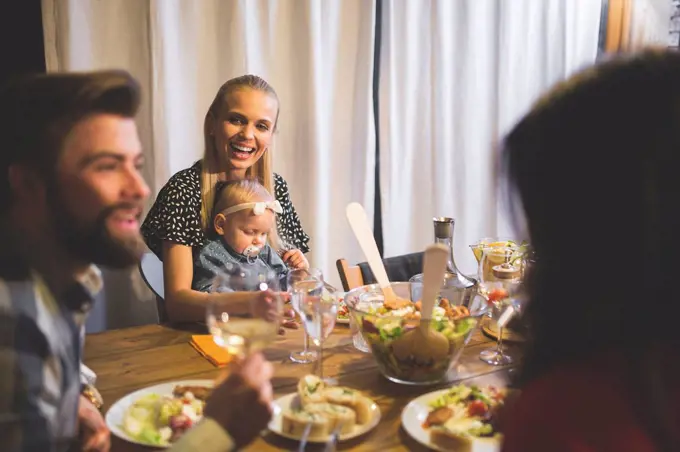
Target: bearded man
x,y
71,194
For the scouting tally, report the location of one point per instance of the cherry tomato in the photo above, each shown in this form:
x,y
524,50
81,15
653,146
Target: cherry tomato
x,y
477,408
497,294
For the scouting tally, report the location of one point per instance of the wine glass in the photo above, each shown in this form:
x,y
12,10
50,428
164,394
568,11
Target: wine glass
x,y
247,323
302,279
501,270
319,310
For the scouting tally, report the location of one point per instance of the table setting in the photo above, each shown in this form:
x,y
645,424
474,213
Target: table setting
x,y
404,365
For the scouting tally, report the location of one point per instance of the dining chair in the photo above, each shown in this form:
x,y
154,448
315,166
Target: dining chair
x,y
151,269
398,268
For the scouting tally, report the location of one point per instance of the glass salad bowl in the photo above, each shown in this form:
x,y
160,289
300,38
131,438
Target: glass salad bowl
x,y
387,328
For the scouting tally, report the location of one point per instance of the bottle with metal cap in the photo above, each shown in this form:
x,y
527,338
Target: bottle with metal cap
x,y
459,289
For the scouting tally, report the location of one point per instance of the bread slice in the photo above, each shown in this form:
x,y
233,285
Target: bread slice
x,y
310,390
454,434
337,415
447,440
294,423
350,398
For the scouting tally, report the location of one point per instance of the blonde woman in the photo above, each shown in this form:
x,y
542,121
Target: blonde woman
x,y
239,130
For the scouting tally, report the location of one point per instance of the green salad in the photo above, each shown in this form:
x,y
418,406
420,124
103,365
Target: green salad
x,y
159,420
382,328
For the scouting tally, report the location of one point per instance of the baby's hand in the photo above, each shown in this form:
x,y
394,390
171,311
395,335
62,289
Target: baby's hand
x,y
295,259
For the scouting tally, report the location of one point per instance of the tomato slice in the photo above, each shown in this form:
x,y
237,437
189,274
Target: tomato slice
x,y
497,294
477,408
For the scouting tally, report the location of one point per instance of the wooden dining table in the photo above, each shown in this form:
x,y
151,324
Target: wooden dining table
x,y
129,359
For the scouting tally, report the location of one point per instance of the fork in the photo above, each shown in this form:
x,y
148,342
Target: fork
x,y
303,440
330,445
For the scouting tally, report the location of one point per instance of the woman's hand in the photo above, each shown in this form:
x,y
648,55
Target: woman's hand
x,y
295,259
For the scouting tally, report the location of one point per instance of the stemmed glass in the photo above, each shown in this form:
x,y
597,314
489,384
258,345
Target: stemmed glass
x,y
300,282
245,324
319,310
501,270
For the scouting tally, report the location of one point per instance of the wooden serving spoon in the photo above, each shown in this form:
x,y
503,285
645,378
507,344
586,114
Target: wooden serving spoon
x,y
356,215
423,343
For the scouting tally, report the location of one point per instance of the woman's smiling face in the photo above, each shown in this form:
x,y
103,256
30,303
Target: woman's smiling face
x,y
245,127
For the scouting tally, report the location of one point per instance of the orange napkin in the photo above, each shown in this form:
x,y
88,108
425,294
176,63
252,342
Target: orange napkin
x,y
206,346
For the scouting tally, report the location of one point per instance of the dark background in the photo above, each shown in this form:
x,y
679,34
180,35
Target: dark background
x,y
21,40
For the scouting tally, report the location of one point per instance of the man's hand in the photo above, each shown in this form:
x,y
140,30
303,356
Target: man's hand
x,y
295,259
241,403
94,435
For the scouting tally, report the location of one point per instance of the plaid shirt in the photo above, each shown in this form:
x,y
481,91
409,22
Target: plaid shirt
x,y
40,358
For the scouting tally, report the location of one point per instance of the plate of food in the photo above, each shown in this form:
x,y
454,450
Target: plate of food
x,y
326,409
159,415
462,418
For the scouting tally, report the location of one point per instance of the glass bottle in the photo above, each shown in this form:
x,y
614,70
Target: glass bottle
x,y
459,289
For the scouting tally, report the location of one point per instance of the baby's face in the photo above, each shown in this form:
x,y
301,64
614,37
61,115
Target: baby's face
x,y
244,229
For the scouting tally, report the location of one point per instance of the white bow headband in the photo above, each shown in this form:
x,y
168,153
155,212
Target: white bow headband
x,y
258,207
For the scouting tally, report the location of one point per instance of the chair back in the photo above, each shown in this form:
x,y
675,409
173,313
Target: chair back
x,y
398,268
151,269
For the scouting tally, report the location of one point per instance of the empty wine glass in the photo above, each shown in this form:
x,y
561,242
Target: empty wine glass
x,y
247,323
501,270
319,310
304,280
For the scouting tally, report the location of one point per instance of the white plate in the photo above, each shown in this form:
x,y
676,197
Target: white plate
x,y
416,412
292,401
114,417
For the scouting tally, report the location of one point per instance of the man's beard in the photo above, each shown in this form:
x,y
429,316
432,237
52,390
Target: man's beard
x,y
93,242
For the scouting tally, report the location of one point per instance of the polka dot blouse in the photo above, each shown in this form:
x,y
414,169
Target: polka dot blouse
x,y
176,214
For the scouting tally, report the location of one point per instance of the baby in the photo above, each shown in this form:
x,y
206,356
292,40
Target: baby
x,y
244,221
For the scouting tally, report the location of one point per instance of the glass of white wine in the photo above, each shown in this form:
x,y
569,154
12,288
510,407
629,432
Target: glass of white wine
x,y
318,307
303,282
244,331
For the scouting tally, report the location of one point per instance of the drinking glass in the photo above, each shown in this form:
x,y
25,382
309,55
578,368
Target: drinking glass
x,y
501,270
238,332
302,280
319,310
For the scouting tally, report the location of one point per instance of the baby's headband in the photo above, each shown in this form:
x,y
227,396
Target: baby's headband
x,y
258,207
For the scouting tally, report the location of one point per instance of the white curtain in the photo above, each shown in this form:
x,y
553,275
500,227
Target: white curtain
x,y
650,23
318,55
455,76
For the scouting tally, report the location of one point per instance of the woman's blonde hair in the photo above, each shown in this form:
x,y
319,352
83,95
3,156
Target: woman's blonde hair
x,y
231,193
211,170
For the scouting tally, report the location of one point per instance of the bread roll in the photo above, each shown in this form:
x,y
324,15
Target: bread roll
x,y
350,398
336,415
310,390
294,423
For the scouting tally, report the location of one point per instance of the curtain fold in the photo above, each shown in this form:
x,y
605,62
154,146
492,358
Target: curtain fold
x,y
634,24
317,55
455,76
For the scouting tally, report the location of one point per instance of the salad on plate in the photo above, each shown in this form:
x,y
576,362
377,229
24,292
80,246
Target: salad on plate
x,y
160,420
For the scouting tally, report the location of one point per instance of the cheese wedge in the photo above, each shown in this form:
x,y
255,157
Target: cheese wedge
x,y
337,415
294,423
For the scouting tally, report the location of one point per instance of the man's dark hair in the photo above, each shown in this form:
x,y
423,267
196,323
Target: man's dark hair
x,y
37,113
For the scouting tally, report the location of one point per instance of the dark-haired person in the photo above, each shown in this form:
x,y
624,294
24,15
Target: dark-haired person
x,y
71,196
594,166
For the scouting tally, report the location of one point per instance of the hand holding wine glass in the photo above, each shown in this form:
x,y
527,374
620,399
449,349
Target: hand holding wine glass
x,y
243,331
